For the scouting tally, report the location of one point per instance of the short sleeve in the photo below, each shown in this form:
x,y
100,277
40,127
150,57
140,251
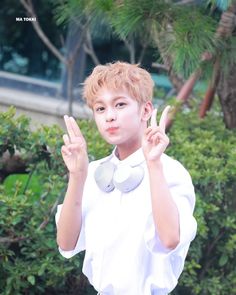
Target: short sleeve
x,y
80,245
182,192
88,201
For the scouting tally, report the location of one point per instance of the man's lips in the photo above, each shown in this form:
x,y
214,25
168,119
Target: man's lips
x,y
112,129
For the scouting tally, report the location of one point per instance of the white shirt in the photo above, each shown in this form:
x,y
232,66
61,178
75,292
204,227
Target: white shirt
x,y
124,255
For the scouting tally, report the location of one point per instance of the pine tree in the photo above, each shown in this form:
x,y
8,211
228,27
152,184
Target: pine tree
x,y
184,32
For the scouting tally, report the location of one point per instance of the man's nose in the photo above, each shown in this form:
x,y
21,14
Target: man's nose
x,y
110,115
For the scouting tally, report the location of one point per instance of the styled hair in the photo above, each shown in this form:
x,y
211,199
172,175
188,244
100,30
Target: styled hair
x,y
119,76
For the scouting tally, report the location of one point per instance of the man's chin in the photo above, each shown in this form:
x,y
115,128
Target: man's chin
x,y
112,141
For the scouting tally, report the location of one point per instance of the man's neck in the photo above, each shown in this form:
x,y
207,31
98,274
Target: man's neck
x,y
125,151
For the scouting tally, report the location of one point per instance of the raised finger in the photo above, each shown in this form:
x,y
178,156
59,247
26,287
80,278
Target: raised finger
x,y
69,127
66,139
75,127
163,119
154,118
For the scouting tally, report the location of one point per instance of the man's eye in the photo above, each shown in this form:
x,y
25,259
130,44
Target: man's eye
x,y
99,109
120,104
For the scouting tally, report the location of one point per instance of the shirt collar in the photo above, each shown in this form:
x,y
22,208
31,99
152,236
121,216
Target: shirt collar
x,y
134,159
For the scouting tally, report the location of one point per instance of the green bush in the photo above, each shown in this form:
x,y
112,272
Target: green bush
x,y
30,262
208,150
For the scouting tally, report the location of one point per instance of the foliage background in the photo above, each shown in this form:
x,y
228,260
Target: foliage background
x,y
30,262
29,258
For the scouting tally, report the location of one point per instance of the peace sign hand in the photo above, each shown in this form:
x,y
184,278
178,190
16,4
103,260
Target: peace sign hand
x,y
74,150
155,140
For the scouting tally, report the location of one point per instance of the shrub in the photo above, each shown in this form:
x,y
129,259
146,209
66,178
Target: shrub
x,y
30,262
208,150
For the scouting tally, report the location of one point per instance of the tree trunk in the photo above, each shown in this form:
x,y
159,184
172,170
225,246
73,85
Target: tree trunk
x,y
226,91
70,94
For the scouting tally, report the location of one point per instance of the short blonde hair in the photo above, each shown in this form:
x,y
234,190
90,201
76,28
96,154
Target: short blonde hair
x,y
119,76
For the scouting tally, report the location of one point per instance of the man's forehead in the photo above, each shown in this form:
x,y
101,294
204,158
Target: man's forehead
x,y
109,96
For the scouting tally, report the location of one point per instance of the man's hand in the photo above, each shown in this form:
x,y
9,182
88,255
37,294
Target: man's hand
x,y
155,140
74,150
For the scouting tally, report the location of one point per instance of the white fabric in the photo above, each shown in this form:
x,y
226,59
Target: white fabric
x,y
124,255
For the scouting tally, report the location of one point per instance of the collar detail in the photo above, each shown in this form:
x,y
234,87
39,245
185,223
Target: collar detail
x,y
132,160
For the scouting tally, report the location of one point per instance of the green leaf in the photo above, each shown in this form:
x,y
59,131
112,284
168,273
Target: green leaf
x,y
223,260
31,279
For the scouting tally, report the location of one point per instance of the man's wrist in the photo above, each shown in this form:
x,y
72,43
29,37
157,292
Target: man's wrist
x,y
77,176
154,164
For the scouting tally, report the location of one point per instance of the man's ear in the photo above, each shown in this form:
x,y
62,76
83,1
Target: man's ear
x,y
147,111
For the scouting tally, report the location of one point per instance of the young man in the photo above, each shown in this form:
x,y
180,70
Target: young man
x,y
132,211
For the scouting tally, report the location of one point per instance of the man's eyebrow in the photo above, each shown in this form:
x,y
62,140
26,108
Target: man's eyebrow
x,y
99,100
120,96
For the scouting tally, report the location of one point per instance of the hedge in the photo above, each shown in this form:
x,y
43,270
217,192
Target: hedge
x,y
30,262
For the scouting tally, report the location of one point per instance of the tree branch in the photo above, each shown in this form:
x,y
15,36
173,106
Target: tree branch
x,y
10,240
30,9
141,56
208,253
211,90
183,95
185,2
160,66
89,49
52,210
131,49
224,31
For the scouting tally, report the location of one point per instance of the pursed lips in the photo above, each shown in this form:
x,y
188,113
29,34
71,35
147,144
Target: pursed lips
x,y
112,129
